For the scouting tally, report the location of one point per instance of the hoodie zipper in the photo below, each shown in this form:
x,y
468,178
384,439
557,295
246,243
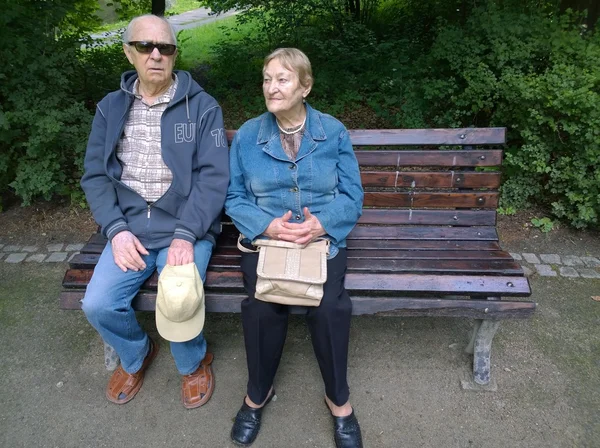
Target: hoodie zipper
x,y
114,146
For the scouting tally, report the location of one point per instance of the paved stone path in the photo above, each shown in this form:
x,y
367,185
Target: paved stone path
x,y
545,265
183,21
552,265
49,253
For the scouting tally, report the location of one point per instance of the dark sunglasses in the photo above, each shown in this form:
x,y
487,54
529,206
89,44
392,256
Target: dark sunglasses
x,y
145,47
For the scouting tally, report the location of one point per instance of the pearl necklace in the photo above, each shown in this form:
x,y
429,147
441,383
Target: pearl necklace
x,y
291,132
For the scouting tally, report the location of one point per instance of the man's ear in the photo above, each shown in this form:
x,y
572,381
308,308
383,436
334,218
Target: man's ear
x,y
127,51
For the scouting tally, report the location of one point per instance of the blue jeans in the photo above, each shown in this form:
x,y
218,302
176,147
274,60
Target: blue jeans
x,y
107,306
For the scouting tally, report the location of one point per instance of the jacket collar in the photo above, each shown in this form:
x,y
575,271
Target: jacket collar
x,y
314,127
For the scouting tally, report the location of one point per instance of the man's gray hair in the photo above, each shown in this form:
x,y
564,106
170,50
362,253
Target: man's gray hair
x,y
129,30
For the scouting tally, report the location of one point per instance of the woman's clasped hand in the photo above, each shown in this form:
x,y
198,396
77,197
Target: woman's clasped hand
x,y
301,233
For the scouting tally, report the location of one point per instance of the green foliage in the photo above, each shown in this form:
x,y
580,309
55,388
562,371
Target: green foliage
x,y
48,88
527,65
128,9
181,6
437,63
544,224
507,211
203,40
539,77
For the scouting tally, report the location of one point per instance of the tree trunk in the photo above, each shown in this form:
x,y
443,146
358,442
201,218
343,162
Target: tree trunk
x,y
158,7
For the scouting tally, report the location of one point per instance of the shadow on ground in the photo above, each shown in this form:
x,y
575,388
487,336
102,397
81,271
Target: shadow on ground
x,y
404,373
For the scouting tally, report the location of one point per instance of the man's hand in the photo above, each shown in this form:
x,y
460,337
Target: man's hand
x,y
303,233
276,227
126,250
180,252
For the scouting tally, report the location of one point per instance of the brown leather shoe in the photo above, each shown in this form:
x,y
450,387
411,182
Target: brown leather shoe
x,y
197,387
123,386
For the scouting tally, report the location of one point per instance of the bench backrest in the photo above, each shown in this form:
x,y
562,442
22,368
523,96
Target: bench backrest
x,y
441,177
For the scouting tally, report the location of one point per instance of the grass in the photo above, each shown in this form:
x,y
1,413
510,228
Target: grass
x,y
106,27
179,7
197,44
182,6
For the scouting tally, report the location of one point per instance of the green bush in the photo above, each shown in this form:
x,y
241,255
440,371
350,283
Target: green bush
x,y
539,77
49,85
128,9
450,64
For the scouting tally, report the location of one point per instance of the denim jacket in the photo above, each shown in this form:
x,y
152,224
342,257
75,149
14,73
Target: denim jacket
x,y
264,183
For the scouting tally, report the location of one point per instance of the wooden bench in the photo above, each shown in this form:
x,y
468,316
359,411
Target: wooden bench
x,y
426,244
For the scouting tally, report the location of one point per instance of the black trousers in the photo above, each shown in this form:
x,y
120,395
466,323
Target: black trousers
x,y
265,329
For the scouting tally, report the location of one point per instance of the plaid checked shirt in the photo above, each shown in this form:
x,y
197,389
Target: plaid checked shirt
x,y
139,148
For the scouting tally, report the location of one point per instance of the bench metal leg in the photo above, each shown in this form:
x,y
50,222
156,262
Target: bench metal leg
x,y
111,359
481,347
470,348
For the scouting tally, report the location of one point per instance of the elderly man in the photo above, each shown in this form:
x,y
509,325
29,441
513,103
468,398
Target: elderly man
x,y
156,176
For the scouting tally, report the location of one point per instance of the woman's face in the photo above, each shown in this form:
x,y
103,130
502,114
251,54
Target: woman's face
x,y
282,89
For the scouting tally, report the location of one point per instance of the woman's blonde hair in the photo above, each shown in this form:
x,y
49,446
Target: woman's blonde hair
x,y
295,61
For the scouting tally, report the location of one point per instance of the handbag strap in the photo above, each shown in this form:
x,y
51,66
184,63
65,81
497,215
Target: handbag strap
x,y
242,248
278,243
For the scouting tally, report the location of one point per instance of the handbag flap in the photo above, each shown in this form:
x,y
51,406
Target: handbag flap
x,y
308,265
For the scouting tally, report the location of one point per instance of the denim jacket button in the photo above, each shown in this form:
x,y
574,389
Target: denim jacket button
x,y
294,190
297,217
292,167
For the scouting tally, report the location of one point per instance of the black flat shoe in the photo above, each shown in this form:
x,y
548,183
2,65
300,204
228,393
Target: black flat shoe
x,y
346,432
247,423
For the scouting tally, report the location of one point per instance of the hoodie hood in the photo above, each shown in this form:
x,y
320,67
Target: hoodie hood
x,y
187,87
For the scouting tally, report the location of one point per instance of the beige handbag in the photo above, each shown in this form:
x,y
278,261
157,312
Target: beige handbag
x,y
289,273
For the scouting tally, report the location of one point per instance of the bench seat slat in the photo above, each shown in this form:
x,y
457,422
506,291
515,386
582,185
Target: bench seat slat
x,y
427,266
460,158
89,261
404,262
429,217
358,240
423,245
425,233
382,283
387,306
222,253
414,245
429,179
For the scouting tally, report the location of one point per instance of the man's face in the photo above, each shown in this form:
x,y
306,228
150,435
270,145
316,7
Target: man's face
x,y
154,69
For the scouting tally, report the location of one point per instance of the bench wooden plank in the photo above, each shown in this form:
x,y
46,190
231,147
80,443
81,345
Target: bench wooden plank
x,y
392,306
461,158
379,254
429,179
415,266
89,260
459,136
362,262
430,199
424,245
366,244
431,217
424,233
375,283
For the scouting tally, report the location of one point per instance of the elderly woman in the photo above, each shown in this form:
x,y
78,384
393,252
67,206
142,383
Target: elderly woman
x,y
294,177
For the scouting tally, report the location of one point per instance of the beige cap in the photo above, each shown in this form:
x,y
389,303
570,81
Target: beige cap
x,y
180,307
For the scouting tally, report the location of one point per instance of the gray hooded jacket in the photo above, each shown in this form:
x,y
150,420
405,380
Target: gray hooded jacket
x,y
194,147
